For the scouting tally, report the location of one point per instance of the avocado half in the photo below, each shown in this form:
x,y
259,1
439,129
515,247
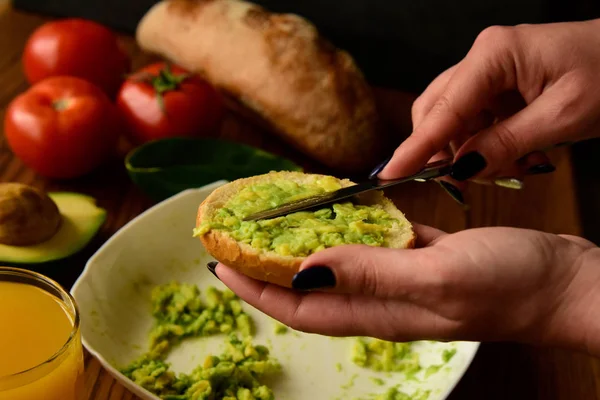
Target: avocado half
x,y
81,220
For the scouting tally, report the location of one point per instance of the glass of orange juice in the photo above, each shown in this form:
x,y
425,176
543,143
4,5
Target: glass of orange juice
x,y
41,355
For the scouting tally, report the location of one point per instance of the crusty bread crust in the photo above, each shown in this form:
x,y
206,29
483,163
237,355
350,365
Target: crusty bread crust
x,y
277,65
270,266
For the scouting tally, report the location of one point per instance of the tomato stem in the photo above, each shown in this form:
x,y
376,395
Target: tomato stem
x,y
60,104
163,82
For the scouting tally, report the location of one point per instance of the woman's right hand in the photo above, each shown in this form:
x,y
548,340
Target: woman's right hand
x,y
519,90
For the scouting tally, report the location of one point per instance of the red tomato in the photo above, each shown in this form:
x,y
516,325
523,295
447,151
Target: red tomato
x,y
62,127
76,47
163,100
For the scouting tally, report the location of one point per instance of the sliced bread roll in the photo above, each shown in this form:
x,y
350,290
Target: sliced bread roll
x,y
264,262
278,67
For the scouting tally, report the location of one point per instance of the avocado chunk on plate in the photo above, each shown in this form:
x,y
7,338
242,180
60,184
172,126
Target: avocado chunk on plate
x,y
80,220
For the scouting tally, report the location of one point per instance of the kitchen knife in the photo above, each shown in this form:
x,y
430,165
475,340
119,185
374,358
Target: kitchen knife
x,y
430,171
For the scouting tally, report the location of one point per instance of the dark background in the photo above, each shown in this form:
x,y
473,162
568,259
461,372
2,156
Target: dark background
x,y
400,44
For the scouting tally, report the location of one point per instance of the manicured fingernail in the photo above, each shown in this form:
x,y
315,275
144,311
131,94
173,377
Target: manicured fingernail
x,y
211,267
510,183
314,278
379,168
468,166
453,191
541,169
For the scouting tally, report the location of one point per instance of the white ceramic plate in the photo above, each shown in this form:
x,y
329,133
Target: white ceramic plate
x,y
113,294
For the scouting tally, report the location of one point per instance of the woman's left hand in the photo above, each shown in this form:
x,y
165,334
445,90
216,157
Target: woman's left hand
x,y
478,284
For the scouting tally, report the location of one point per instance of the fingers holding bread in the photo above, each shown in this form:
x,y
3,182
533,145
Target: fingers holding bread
x,y
272,250
278,66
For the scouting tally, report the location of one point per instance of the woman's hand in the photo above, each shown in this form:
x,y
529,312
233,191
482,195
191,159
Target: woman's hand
x,y
519,90
479,284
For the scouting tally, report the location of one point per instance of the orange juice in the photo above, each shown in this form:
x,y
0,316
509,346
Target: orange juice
x,y
41,356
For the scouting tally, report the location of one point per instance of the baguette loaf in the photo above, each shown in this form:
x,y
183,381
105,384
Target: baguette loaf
x,y
267,265
278,67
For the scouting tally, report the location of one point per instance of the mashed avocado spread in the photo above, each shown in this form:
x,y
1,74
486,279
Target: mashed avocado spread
x,y
381,355
240,372
180,312
301,233
234,375
394,394
384,356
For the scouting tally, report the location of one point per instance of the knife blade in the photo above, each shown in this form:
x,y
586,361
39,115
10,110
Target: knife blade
x,y
430,171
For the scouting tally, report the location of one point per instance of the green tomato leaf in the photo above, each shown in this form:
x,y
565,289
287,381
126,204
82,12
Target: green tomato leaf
x,y
162,168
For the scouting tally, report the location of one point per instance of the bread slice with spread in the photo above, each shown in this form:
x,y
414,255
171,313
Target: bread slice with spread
x,y
272,250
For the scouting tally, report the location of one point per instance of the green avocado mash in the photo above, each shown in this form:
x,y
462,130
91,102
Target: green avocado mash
x,y
234,375
280,328
180,312
301,233
381,355
384,356
394,394
448,354
240,372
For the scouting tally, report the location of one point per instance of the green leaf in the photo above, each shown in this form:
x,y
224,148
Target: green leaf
x,y
164,167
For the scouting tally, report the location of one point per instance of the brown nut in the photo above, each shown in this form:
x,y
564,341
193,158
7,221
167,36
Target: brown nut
x,y
27,215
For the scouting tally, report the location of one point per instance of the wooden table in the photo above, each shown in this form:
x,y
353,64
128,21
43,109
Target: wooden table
x,y
500,371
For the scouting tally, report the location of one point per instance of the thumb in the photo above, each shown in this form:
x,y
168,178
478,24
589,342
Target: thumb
x,y
544,123
366,270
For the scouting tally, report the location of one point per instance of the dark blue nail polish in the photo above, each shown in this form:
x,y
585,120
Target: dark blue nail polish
x,y
541,169
468,166
453,191
314,278
211,267
379,168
